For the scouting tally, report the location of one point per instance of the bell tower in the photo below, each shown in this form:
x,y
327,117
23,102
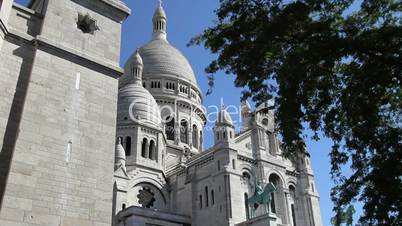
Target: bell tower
x,y
224,132
91,28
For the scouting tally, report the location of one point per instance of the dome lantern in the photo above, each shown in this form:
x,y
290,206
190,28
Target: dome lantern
x,y
224,129
159,23
136,67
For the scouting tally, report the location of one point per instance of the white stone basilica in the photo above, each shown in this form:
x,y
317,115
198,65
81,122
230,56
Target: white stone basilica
x,y
62,92
163,177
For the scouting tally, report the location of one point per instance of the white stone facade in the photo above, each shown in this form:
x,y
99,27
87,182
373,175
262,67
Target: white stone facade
x,y
174,181
65,162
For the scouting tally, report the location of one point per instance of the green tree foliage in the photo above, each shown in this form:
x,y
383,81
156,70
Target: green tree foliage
x,y
334,66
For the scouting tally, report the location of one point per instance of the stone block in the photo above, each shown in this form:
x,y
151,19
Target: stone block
x,y
12,214
69,221
11,223
17,203
41,219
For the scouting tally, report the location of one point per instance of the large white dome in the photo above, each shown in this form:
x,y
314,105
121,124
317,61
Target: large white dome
x,y
162,59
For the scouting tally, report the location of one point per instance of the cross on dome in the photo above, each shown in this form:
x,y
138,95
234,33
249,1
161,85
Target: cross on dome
x,y
222,105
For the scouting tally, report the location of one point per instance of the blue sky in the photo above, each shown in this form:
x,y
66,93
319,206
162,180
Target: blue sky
x,y
185,20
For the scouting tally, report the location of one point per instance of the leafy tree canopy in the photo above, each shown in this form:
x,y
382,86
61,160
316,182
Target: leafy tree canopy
x,y
335,66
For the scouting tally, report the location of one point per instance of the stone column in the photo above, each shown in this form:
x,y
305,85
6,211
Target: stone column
x,y
147,149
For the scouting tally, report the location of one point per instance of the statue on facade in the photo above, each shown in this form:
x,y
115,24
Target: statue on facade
x,y
262,197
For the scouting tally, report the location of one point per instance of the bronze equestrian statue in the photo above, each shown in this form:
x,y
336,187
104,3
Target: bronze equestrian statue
x,y
261,197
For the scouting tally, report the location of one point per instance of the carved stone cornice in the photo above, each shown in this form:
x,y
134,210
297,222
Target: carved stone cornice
x,y
247,159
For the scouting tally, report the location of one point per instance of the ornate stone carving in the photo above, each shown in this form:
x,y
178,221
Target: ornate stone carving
x,y
146,197
86,24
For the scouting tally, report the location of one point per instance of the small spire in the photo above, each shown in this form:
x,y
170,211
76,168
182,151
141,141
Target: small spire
x,y
120,156
138,58
119,152
160,3
223,116
222,105
137,66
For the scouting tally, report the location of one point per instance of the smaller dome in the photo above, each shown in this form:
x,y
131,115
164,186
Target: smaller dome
x,y
224,118
138,105
135,102
120,153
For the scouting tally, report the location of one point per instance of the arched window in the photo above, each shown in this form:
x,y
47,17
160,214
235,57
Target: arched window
x,y
206,196
200,201
246,176
272,143
144,147
265,122
128,146
170,85
152,150
195,138
212,197
292,193
292,209
169,128
184,131
200,144
273,178
217,135
246,206
224,135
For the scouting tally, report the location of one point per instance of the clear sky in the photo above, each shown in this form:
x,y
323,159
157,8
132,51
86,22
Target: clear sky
x,y
187,18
